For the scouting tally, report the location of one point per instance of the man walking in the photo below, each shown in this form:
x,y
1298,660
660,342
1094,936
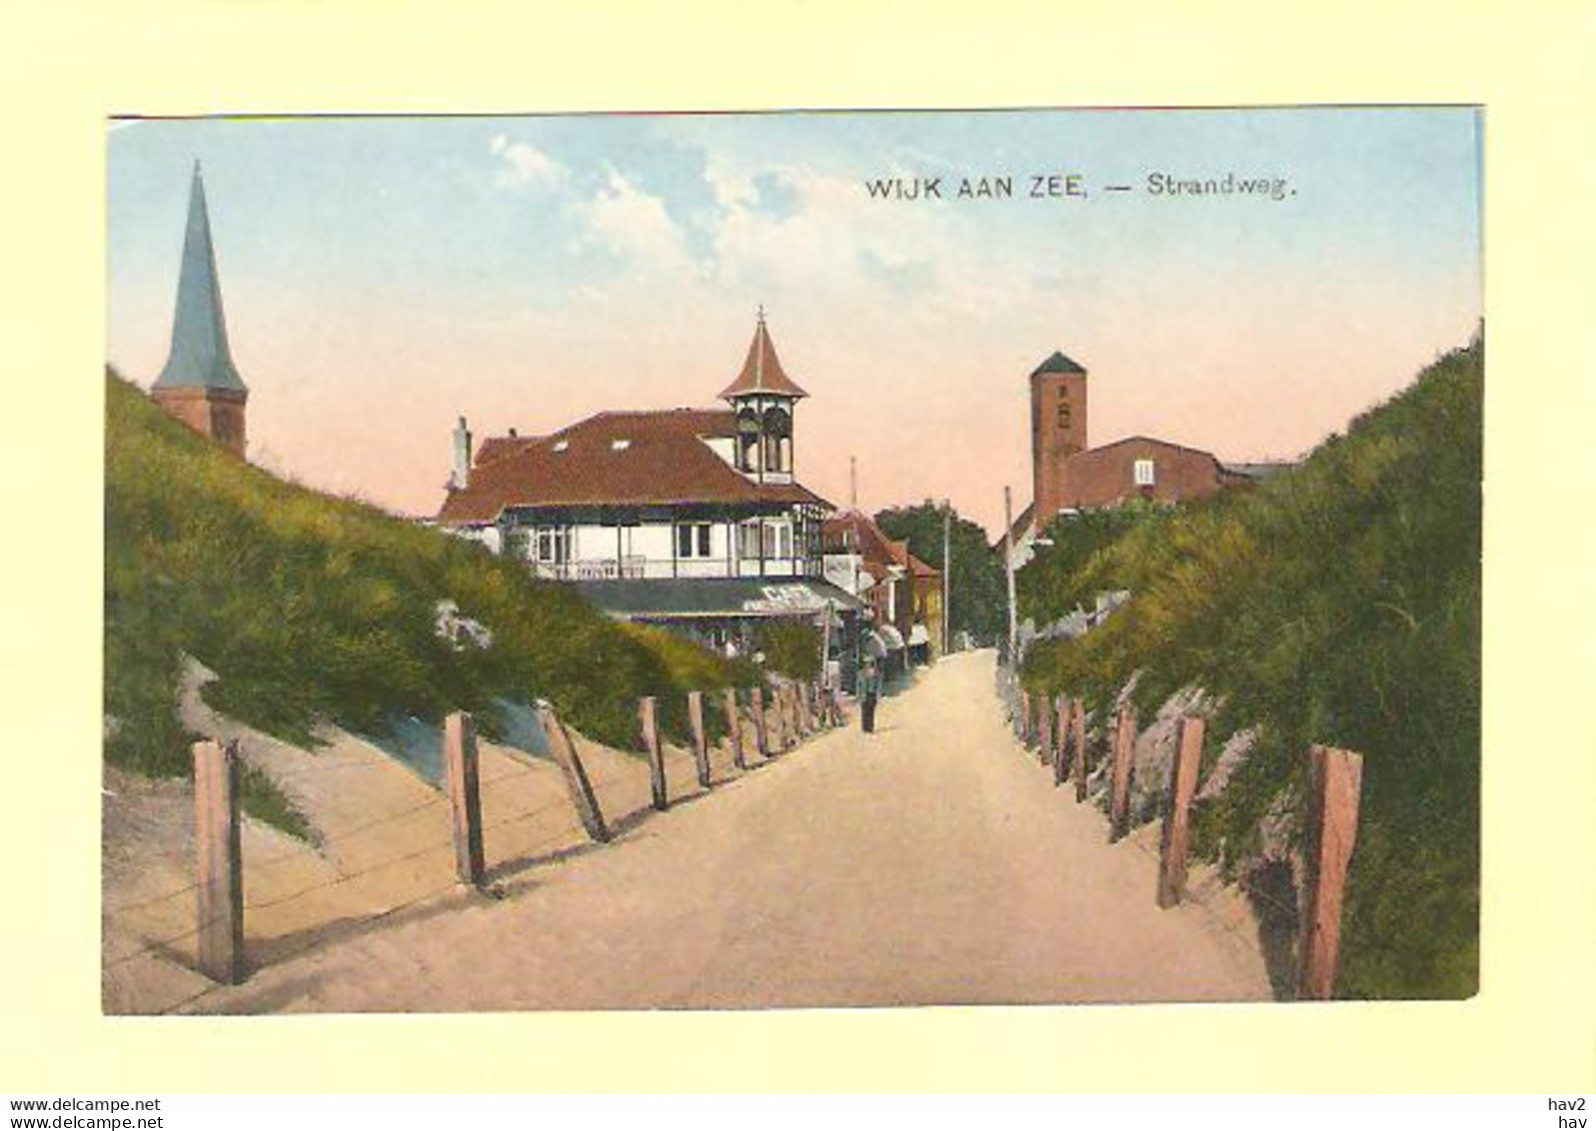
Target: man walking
x,y
869,690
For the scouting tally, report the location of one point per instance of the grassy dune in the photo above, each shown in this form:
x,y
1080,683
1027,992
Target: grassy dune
x,y
1338,604
313,608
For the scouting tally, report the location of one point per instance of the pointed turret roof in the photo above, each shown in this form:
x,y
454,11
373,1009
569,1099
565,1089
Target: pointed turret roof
x,y
199,356
1058,363
762,372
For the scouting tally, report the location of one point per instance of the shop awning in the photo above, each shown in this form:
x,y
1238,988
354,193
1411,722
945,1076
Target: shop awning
x,y
890,636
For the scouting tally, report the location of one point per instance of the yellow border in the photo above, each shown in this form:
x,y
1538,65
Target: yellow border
x,y
1533,1027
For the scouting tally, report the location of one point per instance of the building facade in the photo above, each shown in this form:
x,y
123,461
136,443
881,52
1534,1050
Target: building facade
x,y
687,516
1069,476
904,594
199,384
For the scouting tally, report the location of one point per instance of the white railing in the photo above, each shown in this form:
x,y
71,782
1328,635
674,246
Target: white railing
x,y
638,567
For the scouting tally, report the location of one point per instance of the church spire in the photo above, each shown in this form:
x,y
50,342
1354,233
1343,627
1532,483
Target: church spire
x,y
199,357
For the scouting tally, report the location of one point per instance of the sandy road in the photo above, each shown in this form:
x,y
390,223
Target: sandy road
x,y
929,863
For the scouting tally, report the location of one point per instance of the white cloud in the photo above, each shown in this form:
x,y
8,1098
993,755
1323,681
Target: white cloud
x,y
631,223
823,245
524,165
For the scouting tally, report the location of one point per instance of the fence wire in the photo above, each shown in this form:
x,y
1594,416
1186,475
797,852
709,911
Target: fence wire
x,y
323,850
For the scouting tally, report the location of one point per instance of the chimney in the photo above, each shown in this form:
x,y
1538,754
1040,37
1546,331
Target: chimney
x,y
462,455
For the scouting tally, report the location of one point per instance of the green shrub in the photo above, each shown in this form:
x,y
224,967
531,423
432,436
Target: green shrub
x,y
791,648
1053,583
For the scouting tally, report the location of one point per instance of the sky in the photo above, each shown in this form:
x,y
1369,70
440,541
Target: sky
x,y
382,276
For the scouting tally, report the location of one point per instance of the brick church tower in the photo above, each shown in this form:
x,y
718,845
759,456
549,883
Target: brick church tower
x,y
1058,431
200,385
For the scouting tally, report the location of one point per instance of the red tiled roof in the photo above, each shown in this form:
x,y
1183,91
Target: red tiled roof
x,y
497,447
902,555
762,371
856,531
617,459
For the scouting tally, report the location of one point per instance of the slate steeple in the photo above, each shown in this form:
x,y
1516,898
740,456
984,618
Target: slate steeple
x,y
200,355
200,384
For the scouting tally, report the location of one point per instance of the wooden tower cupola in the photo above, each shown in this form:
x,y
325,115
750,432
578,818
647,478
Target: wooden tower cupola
x,y
764,398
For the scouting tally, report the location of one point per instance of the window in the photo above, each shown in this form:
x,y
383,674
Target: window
x,y
620,445
1144,473
554,544
748,540
1063,412
776,538
692,540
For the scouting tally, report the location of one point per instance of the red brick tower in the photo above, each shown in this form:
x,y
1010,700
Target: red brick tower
x,y
1058,431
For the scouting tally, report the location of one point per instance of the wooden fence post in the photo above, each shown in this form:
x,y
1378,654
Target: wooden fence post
x,y
734,731
695,719
789,717
756,705
1078,761
774,725
648,717
1061,715
1177,815
1022,726
1335,785
462,777
794,721
1120,771
219,853
570,763
1044,730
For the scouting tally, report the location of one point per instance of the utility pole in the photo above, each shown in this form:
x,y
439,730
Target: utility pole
x,y
947,576
1008,569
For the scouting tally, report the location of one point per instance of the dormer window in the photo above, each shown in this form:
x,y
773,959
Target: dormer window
x,y
561,445
620,445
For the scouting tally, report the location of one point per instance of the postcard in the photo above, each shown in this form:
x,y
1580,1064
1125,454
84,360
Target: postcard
x,y
787,560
